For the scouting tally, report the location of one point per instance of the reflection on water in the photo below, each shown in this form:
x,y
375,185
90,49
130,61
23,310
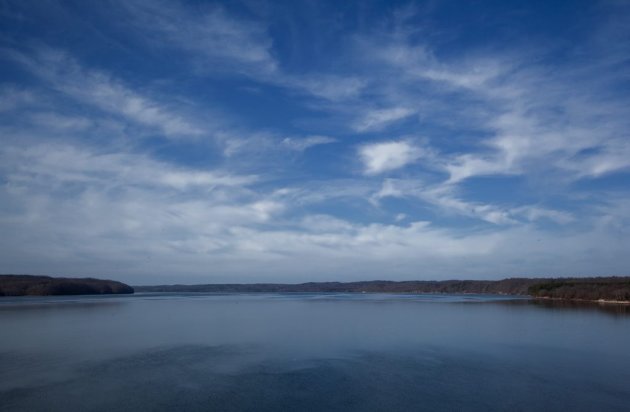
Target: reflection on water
x,y
312,352
616,309
610,308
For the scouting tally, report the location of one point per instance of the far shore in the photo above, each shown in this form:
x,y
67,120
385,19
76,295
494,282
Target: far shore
x,y
602,290
611,290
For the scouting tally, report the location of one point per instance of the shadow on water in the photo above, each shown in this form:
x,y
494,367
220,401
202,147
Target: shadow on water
x,y
53,303
40,309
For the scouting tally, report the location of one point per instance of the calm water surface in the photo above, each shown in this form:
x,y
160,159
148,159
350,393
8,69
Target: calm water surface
x,y
275,352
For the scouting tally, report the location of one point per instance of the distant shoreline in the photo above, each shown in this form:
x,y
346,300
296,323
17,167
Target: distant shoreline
x,y
603,290
595,289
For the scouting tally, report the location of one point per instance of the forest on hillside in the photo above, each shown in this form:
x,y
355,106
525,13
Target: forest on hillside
x,y
609,288
27,285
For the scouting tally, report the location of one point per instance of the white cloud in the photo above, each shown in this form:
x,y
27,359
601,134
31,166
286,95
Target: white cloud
x,y
264,209
185,179
390,188
400,217
462,167
534,213
375,120
325,224
382,157
303,143
259,146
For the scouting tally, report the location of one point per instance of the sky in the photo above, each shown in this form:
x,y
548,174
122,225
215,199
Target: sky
x,y
289,141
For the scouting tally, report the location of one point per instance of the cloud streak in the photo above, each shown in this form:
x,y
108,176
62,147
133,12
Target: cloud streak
x,y
96,88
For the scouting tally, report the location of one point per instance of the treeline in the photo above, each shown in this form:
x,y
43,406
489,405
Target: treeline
x,y
596,288
609,288
21,285
513,286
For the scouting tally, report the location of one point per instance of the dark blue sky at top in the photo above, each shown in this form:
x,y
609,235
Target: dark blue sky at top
x,y
156,141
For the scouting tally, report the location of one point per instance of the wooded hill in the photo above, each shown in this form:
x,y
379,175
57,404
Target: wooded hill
x,y
20,285
611,288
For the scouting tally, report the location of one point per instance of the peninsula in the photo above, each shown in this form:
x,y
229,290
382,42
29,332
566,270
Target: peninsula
x,y
22,285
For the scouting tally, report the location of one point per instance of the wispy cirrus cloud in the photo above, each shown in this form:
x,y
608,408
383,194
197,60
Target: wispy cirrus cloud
x,y
378,119
64,164
12,97
566,121
220,40
446,199
97,88
304,143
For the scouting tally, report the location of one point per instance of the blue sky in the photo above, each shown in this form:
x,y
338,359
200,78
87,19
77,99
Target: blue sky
x,y
256,141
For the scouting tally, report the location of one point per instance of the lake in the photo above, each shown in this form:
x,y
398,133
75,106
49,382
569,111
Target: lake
x,y
331,352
